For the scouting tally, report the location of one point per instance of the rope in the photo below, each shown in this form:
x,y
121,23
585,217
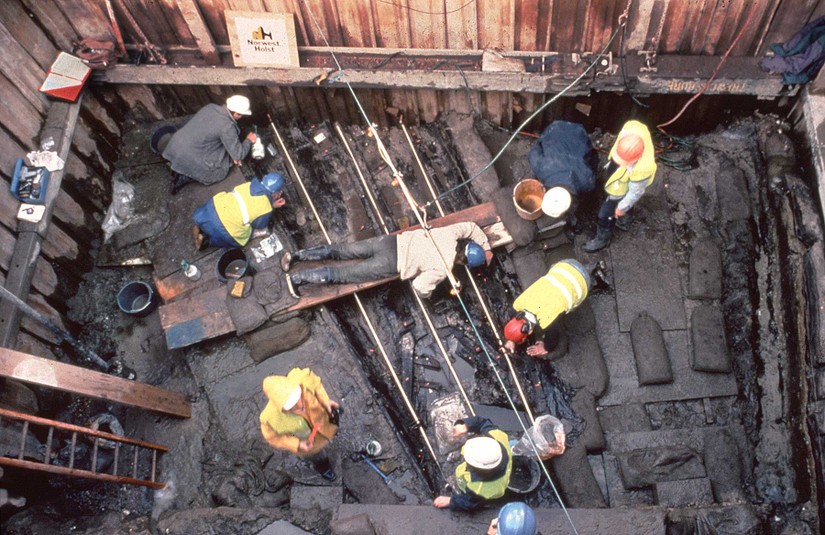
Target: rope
x,y
419,210
367,319
533,115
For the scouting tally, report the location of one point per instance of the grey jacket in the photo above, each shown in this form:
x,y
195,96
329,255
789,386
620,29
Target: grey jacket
x,y
419,260
206,146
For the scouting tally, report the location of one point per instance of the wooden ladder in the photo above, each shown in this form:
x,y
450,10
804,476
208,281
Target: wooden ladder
x,y
144,455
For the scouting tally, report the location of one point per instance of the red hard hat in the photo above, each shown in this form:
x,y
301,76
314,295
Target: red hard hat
x,y
515,330
629,148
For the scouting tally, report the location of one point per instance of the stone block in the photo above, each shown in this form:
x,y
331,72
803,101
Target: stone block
x,y
723,465
705,271
652,361
644,467
732,194
575,479
624,418
684,493
282,527
306,498
584,405
710,349
522,230
354,525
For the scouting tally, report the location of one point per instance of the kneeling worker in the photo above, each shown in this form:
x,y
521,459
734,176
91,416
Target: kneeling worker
x,y
300,417
409,254
228,218
485,473
562,289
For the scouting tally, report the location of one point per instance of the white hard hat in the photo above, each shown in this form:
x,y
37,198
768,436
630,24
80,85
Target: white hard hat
x,y
483,453
556,201
293,398
238,104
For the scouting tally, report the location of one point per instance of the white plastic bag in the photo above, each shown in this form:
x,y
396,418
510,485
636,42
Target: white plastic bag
x,y
548,435
121,209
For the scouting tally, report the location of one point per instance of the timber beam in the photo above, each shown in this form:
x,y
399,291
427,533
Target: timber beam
x,y
76,380
544,72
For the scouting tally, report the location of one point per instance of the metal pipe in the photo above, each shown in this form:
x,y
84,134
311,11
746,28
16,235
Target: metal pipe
x,y
473,283
399,386
24,307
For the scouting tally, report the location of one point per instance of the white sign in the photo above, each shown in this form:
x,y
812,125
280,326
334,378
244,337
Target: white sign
x,y
262,39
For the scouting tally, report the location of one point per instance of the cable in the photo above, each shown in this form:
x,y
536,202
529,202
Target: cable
x,y
715,72
533,116
408,8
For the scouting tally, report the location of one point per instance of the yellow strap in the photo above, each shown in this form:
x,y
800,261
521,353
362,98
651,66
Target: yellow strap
x,y
242,207
560,287
567,275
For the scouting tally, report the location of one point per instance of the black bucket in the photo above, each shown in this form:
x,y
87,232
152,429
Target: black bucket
x,y
136,298
526,475
233,265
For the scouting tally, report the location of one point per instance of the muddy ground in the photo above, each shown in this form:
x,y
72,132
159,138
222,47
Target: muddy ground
x,y
222,477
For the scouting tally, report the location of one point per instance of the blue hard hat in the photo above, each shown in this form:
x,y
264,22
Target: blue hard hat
x,y
516,518
273,182
475,254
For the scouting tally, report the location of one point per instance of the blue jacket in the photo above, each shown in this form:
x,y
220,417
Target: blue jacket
x,y
563,156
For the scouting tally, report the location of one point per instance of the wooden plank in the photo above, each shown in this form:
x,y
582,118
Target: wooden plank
x,y
526,20
51,17
673,70
197,27
23,266
496,19
462,24
27,33
204,315
427,25
89,19
76,380
38,302
293,7
20,68
392,24
357,24
638,25
789,18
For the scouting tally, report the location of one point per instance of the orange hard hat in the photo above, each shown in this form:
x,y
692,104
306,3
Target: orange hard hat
x,y
629,148
516,330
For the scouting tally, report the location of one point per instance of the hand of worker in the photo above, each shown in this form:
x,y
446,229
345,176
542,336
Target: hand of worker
x,y
279,202
331,405
442,501
457,289
619,213
537,350
509,347
252,137
237,162
459,430
304,446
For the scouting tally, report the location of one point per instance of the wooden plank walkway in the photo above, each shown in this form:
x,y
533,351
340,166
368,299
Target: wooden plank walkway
x,y
200,313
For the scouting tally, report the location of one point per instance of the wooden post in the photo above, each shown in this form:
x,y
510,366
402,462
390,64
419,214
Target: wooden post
x,y
56,136
194,19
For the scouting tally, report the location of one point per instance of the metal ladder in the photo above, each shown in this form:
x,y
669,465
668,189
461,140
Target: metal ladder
x,y
143,453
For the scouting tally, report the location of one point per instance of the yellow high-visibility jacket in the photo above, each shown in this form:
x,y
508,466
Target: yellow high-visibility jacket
x,y
559,291
644,169
238,208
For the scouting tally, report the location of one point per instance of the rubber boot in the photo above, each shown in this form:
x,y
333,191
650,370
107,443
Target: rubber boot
x,y
321,252
600,241
320,275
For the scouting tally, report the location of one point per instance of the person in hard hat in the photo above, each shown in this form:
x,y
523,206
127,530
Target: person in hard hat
x,y
300,417
488,463
205,148
564,161
409,254
515,518
564,287
631,169
230,219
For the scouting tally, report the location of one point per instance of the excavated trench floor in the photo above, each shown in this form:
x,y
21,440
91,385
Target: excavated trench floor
x,y
687,440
